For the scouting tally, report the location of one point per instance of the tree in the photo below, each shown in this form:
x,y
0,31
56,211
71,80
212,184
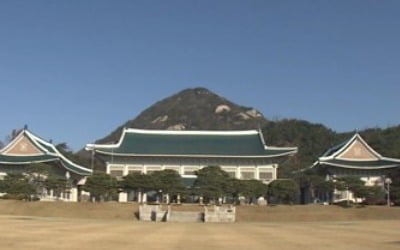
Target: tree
x,y
17,186
101,186
315,185
78,157
283,191
37,174
235,188
324,189
168,181
253,189
211,183
138,182
44,176
57,184
395,195
357,187
63,147
353,184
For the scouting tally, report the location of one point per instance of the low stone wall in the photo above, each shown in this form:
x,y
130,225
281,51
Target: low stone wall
x,y
153,213
220,214
213,214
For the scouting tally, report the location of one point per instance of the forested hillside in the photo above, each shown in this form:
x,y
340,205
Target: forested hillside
x,y
201,109
313,140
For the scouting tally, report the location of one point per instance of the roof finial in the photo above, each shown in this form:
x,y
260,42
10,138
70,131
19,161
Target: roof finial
x,y
25,127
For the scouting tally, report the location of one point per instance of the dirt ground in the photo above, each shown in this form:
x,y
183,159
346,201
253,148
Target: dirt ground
x,y
22,232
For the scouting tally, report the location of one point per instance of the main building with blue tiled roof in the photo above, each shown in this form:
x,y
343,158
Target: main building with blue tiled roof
x,y
242,154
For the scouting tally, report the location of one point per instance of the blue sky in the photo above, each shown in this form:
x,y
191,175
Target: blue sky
x,y
75,70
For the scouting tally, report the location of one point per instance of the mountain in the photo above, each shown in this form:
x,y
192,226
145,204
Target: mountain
x,y
193,109
201,109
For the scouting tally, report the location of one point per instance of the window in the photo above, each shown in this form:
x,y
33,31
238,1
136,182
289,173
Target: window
x,y
152,168
231,171
117,173
175,168
135,169
231,174
189,170
247,175
265,175
131,171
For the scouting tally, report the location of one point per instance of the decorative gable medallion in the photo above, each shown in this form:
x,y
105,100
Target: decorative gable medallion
x,y
358,151
22,147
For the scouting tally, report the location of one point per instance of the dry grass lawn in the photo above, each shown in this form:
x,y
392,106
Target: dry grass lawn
x,y
65,233
126,211
57,225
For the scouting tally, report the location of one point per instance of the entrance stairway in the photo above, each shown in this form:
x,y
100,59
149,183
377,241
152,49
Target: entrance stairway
x,y
179,216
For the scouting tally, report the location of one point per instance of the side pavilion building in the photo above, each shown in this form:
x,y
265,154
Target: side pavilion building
x,y
242,154
27,149
355,157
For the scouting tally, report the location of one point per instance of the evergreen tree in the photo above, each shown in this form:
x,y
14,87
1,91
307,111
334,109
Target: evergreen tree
x,y
138,182
212,183
168,181
101,186
17,186
253,189
356,186
283,191
59,185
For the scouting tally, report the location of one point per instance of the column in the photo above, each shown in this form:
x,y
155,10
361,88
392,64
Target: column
x,y
257,173
125,171
144,198
237,173
73,194
122,197
108,169
167,198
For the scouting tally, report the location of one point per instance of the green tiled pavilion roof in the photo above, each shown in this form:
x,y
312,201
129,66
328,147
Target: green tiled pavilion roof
x,y
191,143
48,153
332,157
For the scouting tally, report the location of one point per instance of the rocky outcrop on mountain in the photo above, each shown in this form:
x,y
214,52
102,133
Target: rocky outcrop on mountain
x,y
193,109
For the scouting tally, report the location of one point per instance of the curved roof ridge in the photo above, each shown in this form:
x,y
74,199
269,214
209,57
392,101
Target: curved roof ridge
x,y
192,132
60,155
138,142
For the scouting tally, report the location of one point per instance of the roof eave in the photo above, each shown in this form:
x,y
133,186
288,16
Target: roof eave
x,y
358,167
26,162
194,156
